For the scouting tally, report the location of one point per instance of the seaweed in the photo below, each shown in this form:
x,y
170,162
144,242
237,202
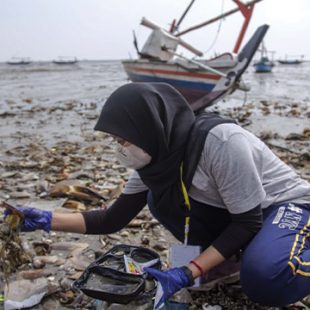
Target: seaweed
x,y
12,253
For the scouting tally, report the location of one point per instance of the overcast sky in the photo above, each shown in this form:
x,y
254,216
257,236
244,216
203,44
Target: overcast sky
x,y
102,29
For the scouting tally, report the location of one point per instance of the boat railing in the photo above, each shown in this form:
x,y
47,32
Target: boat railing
x,y
200,65
168,41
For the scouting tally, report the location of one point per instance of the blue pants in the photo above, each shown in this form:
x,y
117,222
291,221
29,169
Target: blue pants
x,y
275,267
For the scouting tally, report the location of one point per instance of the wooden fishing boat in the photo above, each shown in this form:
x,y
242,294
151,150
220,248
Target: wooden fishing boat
x,y
19,61
65,60
264,64
290,62
195,78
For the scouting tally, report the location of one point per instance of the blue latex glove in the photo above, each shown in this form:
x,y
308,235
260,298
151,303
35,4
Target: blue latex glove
x,y
169,282
34,219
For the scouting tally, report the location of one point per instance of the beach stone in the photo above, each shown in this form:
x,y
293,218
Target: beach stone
x,y
159,247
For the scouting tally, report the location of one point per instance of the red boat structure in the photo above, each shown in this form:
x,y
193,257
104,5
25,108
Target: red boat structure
x,y
201,81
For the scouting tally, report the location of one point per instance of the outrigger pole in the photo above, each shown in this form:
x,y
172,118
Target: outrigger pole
x,y
174,26
245,8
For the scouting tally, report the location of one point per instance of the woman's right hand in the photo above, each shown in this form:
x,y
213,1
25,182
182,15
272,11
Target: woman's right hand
x,y
34,219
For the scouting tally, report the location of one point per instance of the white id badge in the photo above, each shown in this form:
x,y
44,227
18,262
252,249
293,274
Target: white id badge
x,y
180,255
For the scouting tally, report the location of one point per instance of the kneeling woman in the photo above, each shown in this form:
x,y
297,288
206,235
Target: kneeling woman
x,y
240,195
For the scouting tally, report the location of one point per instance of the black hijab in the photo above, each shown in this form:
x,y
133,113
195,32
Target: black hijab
x,y
156,118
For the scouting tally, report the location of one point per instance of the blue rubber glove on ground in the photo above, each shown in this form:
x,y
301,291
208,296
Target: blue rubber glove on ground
x,y
169,282
34,219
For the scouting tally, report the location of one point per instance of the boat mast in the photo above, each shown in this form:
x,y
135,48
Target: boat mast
x,y
175,27
245,8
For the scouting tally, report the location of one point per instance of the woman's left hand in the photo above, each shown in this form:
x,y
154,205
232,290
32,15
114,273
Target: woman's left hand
x,y
169,282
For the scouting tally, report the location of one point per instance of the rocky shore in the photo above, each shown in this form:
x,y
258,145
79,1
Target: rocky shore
x,y
45,167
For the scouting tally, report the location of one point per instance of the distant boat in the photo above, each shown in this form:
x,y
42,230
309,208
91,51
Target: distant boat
x,y
264,64
19,61
65,60
290,62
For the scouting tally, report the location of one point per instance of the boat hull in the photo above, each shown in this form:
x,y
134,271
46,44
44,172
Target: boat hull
x,y
263,68
192,83
18,63
290,62
64,62
201,82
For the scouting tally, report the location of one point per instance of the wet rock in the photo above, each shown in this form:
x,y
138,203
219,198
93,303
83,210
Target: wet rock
x,y
42,186
34,274
75,205
38,264
9,174
75,275
294,136
48,259
41,248
306,132
266,135
81,175
68,246
145,240
5,114
124,234
159,247
65,284
265,110
50,303
19,195
114,237
66,297
77,258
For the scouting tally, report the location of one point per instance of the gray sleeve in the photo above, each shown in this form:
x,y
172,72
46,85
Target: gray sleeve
x,y
236,173
134,184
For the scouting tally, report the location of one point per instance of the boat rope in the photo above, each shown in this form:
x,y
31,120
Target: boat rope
x,y
137,35
218,30
177,26
245,98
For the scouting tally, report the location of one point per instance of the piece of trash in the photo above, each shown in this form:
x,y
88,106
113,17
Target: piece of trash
x,y
210,307
73,190
24,293
135,267
171,305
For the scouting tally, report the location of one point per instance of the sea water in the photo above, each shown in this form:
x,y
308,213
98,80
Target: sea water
x,y
44,102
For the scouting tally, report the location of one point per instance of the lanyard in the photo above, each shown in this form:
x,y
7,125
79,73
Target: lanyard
x,y
188,207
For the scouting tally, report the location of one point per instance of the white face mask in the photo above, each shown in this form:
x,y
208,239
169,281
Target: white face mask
x,y
132,156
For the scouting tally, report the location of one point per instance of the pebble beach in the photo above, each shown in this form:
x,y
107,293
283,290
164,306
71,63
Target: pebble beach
x,y
48,149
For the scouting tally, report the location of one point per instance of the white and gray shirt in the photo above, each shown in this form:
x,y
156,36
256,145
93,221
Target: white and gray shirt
x,y
237,171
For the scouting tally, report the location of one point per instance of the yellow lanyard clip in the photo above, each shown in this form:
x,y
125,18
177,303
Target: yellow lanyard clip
x,y
188,206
